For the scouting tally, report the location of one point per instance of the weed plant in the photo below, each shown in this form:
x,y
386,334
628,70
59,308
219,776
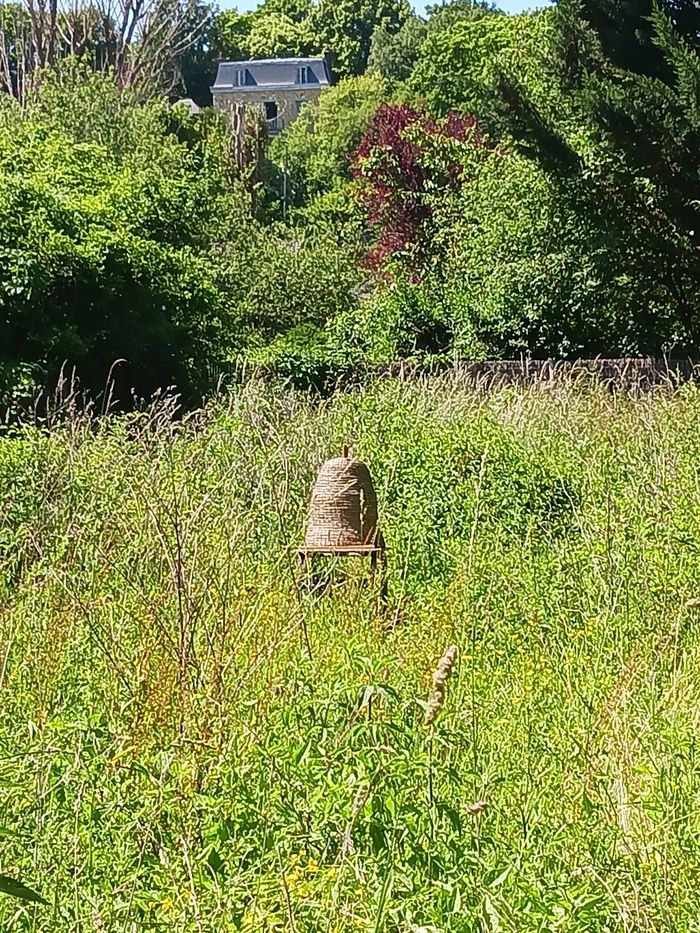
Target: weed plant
x,y
189,741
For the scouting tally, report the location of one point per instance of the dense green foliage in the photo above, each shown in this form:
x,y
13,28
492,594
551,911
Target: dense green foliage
x,y
375,227
454,66
102,267
138,243
575,232
613,121
189,742
316,151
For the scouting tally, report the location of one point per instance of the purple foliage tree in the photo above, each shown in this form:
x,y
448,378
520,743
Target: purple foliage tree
x,y
395,174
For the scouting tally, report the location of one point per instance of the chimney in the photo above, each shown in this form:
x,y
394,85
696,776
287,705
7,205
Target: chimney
x,y
329,59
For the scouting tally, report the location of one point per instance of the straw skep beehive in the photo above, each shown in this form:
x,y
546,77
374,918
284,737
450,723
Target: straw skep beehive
x,y
343,510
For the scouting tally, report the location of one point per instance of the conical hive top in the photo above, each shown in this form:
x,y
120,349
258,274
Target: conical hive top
x,y
343,511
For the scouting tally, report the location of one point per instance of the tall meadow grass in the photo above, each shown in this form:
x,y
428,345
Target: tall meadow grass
x,y
191,741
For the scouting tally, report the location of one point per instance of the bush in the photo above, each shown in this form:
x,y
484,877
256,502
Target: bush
x,y
279,279
105,230
303,359
404,321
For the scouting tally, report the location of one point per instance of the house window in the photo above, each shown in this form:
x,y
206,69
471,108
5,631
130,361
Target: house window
x,y
243,78
298,104
273,121
306,75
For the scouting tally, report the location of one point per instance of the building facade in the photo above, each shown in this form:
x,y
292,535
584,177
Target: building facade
x,y
278,86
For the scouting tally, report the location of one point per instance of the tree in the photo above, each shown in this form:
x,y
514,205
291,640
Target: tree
x,y
613,116
275,35
16,59
316,150
396,174
197,64
229,35
296,10
345,28
276,28
628,34
394,53
454,65
443,16
141,41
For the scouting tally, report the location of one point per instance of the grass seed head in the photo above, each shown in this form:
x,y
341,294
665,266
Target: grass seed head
x,y
440,678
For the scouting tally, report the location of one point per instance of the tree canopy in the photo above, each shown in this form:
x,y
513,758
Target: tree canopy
x,y
474,184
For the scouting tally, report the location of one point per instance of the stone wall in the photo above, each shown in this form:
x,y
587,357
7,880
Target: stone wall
x,y
631,373
285,100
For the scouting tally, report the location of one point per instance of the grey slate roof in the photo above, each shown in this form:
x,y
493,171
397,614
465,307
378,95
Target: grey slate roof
x,y
270,73
190,104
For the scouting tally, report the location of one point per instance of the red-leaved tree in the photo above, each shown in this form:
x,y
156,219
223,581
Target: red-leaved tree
x,y
396,173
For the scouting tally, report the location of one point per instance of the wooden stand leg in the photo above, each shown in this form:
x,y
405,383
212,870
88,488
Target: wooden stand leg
x,y
385,583
310,584
379,558
306,567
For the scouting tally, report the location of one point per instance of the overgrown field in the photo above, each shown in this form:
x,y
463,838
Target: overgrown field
x,y
191,742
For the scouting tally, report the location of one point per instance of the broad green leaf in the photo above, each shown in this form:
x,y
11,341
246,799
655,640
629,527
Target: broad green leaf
x,y
17,889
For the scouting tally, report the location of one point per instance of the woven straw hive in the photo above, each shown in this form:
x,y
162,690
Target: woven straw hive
x,y
343,511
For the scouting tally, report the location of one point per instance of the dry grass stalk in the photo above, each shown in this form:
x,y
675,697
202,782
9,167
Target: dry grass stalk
x,y
477,807
440,678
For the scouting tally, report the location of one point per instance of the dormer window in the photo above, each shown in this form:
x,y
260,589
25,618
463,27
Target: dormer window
x,y
306,75
243,78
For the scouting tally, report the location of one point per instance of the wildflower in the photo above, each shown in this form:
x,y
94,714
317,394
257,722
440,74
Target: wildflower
x,y
440,678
